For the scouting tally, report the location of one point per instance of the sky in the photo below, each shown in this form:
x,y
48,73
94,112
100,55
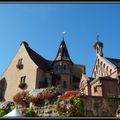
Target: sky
x,y
41,26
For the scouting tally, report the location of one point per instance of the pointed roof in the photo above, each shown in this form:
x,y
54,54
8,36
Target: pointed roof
x,y
38,60
114,61
98,42
62,53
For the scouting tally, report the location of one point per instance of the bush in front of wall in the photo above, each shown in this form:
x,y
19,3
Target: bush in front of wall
x,y
29,112
2,112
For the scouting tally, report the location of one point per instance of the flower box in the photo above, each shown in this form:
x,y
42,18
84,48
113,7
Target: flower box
x,y
19,66
22,85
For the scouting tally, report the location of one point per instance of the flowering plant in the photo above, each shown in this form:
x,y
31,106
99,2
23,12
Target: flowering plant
x,y
22,85
22,97
19,66
69,94
69,104
47,95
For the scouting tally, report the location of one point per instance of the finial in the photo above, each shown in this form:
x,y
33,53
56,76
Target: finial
x,y
97,38
63,35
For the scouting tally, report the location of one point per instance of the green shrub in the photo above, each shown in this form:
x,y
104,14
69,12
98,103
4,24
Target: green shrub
x,y
2,112
79,106
29,112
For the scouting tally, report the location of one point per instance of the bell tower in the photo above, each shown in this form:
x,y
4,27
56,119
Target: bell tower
x,y
98,46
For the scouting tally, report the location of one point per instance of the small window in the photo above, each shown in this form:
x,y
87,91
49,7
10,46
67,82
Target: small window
x,y
20,61
110,71
58,68
22,79
97,50
98,61
64,84
95,89
64,67
104,65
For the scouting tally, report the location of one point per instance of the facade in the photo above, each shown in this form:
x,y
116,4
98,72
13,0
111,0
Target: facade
x,y
28,70
105,79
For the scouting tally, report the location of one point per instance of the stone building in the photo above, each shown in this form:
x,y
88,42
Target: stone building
x,y
105,79
28,70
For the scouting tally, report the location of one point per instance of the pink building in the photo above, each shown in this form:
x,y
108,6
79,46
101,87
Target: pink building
x,y
105,79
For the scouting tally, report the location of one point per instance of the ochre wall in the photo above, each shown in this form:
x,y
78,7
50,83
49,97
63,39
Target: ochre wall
x,y
12,74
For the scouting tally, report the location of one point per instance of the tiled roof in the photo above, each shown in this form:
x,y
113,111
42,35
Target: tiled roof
x,y
114,61
107,78
62,53
46,65
38,60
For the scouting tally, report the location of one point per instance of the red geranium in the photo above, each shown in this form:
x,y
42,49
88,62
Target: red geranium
x,y
70,94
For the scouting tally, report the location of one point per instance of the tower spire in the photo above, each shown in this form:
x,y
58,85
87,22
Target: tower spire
x,y
62,54
98,46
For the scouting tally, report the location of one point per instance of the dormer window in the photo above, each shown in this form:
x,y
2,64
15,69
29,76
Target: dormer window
x,y
20,65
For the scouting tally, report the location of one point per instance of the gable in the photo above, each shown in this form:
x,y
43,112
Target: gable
x,y
103,67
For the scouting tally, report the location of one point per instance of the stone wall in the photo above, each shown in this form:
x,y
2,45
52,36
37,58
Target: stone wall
x,y
96,106
46,111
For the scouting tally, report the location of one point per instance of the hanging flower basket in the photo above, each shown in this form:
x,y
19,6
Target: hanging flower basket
x,y
19,66
22,98
22,85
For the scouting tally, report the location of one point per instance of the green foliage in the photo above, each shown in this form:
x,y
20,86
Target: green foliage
x,y
29,112
79,106
74,107
2,112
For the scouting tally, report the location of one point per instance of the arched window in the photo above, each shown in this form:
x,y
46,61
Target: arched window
x,y
97,50
107,70
98,61
104,69
110,71
104,65
64,84
100,69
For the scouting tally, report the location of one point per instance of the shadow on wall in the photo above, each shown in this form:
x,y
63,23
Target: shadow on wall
x,y
3,86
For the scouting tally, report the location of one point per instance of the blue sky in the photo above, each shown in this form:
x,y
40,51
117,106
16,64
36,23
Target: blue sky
x,y
41,25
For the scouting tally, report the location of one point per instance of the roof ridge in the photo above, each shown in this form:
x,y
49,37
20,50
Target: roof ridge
x,y
113,58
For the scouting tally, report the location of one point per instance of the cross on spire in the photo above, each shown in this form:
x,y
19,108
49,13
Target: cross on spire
x,y
97,38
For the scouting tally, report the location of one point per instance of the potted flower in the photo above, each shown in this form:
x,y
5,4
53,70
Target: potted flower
x,y
22,85
19,66
22,98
